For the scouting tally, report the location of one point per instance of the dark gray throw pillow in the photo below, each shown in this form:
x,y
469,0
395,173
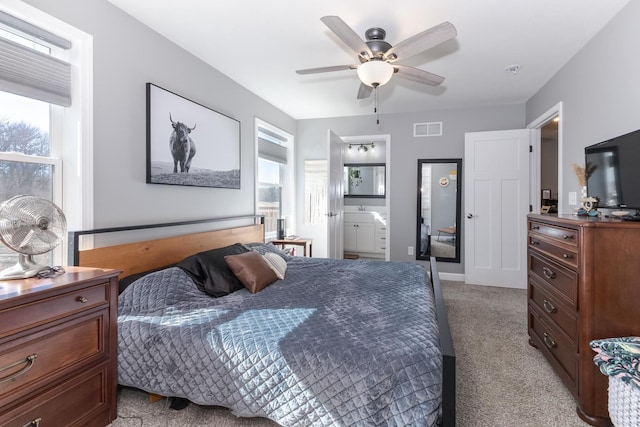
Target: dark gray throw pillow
x,y
210,272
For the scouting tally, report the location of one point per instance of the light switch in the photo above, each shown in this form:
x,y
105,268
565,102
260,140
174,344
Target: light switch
x,y
573,198
410,251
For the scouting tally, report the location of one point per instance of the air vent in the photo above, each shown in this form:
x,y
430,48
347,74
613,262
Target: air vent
x,y
427,129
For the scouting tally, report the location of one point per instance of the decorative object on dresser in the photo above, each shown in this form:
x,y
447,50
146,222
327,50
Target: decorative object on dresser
x,y
582,286
58,344
31,226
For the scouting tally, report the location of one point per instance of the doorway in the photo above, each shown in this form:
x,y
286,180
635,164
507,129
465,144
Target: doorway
x,y
549,165
546,161
368,216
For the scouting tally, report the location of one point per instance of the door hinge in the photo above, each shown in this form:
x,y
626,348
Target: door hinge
x,y
530,208
531,148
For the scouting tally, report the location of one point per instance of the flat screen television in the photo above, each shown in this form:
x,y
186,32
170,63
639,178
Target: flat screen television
x,y
613,172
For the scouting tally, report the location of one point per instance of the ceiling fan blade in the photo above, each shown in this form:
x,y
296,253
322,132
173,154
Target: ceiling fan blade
x,y
421,42
327,69
417,75
347,35
364,91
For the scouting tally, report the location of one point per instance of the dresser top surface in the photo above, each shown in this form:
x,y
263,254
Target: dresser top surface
x,y
583,221
19,287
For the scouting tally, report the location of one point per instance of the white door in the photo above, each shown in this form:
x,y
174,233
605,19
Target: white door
x,y
496,186
335,198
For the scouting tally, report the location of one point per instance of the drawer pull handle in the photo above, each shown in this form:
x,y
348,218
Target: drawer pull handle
x,y
549,342
567,256
549,307
567,236
383,238
82,300
535,227
29,360
34,423
546,271
533,242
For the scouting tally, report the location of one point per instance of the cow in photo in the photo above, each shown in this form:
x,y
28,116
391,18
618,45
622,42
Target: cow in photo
x,y
182,146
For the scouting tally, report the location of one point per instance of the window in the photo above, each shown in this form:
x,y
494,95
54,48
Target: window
x,y
274,185
45,132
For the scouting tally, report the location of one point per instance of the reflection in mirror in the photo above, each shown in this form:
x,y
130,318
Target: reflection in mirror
x,y
364,180
438,217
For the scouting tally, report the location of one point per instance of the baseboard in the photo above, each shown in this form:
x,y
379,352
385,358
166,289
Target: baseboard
x,y
456,277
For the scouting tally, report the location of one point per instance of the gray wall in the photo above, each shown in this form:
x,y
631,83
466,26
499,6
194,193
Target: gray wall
x,y
599,90
126,55
405,151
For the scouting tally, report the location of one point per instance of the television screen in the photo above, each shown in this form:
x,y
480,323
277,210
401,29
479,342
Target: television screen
x,y
613,172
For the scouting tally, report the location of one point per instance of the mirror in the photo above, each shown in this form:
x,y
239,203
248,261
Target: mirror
x,y
439,191
364,180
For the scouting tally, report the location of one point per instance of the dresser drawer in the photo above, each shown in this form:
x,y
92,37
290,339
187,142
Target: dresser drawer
x,y
79,401
562,254
33,360
561,279
555,311
555,346
28,315
566,235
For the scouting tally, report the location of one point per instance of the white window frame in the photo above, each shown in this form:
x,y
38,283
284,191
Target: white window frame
x,y
71,128
287,180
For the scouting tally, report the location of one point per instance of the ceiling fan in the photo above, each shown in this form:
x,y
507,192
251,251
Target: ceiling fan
x,y
377,57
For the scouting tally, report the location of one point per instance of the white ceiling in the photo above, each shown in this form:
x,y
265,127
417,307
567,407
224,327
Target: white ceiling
x,y
260,44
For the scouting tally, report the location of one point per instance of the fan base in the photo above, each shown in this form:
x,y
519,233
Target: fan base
x,y
25,268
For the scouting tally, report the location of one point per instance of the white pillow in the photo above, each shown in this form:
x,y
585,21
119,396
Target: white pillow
x,y
277,263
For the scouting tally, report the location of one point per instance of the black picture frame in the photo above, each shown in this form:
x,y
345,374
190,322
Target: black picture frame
x,y
190,144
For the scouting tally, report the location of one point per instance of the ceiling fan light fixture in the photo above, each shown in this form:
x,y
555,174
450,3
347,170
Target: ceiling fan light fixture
x,y
375,73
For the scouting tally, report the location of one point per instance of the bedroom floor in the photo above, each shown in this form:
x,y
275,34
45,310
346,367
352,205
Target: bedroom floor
x,y
502,381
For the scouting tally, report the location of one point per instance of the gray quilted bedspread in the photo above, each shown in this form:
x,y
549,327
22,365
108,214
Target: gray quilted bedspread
x,y
336,343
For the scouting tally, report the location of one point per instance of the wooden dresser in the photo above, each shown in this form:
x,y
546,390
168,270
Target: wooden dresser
x,y
58,344
583,284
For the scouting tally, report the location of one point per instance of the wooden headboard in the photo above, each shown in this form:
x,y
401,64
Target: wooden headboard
x,y
141,256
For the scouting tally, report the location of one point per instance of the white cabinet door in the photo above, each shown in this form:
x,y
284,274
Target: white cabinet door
x,y
350,236
366,237
359,237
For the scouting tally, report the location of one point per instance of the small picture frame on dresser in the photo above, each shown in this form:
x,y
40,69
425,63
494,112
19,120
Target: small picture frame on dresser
x,y
545,209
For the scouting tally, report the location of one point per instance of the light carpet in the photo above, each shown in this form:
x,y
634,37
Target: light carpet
x,y
501,380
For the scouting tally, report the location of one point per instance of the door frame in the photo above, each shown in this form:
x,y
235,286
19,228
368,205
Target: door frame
x,y
356,139
535,160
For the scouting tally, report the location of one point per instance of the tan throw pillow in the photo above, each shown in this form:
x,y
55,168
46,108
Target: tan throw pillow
x,y
252,270
277,264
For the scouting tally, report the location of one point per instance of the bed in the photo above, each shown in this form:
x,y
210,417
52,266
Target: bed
x,y
335,342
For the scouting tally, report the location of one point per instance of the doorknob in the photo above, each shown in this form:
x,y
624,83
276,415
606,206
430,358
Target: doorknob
x,y
330,214
469,216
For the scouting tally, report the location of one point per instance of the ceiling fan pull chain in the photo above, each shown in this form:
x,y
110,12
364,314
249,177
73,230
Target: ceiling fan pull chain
x,y
375,108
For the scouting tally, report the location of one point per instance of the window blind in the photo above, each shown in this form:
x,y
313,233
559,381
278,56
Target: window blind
x,y
271,151
27,72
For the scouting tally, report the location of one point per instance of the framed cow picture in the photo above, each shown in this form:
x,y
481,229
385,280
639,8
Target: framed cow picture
x,y
190,144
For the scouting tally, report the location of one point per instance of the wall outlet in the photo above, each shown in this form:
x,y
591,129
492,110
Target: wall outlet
x,y
410,250
573,198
